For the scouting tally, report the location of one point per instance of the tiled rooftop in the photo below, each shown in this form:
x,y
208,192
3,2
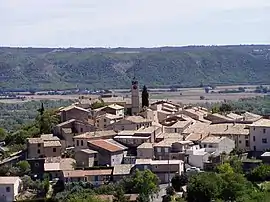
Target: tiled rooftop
x,y
8,180
212,139
73,107
262,123
90,135
137,119
109,145
122,169
84,173
145,145
88,151
52,144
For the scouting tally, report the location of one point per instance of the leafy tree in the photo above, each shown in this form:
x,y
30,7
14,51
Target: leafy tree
x,y
145,97
260,173
225,107
24,167
225,168
178,181
236,164
145,183
204,187
98,104
3,134
119,196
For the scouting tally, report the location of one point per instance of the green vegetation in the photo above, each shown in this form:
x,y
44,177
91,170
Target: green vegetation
x,y
257,105
145,97
47,68
14,115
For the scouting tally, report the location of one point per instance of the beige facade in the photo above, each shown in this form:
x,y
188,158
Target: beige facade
x,y
45,146
86,158
132,123
260,135
9,188
80,141
145,151
74,112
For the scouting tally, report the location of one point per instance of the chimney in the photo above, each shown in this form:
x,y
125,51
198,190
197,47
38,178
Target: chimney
x,y
227,127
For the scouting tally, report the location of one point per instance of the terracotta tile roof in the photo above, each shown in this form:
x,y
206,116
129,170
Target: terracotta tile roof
x,y
84,173
196,136
108,145
65,123
229,129
34,140
212,139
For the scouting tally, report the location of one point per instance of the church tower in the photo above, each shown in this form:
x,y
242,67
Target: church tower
x,y
135,97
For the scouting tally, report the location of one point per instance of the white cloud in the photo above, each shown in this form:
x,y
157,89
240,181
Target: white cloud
x,y
132,22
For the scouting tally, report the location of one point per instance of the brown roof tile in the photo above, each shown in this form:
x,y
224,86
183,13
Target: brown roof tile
x,y
107,145
84,173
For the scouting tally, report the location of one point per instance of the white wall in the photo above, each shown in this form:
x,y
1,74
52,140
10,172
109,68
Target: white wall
x,y
9,196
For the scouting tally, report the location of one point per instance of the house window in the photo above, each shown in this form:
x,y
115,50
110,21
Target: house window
x,y
36,164
38,144
38,151
81,142
205,145
81,130
264,130
175,130
123,127
254,139
210,146
95,155
246,137
7,189
54,149
158,149
78,143
254,148
253,128
240,141
166,150
105,120
264,140
247,143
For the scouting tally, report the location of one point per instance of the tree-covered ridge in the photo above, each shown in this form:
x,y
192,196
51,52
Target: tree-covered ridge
x,y
20,68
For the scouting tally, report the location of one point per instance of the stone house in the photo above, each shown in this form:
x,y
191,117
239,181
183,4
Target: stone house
x,y
86,158
45,146
145,151
74,112
121,171
132,123
109,151
9,188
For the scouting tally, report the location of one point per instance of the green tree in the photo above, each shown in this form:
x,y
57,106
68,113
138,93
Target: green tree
x,y
145,97
225,168
259,174
236,164
225,107
3,134
145,183
24,167
119,195
178,181
204,187
97,104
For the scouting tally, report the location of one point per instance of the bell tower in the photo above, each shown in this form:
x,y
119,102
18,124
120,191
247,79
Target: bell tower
x,y
135,97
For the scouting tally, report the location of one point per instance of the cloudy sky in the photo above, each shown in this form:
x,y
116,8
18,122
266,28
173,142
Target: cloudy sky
x,y
133,23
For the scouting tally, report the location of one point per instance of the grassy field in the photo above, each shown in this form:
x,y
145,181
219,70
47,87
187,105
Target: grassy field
x,y
183,95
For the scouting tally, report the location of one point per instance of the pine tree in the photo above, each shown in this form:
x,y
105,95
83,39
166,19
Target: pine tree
x,y
145,97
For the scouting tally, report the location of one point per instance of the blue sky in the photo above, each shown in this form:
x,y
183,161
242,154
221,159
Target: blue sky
x,y
133,23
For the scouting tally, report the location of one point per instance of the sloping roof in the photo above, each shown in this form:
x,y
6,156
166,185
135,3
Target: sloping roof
x,y
126,132
166,142
88,151
137,119
90,135
197,127
115,106
67,130
49,137
67,163
262,123
34,140
145,145
122,169
234,116
73,107
52,144
108,145
84,173
65,123
51,166
251,116
212,139
229,129
180,124
174,136
196,136
110,198
8,180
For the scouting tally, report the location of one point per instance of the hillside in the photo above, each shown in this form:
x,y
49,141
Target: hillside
x,y
40,69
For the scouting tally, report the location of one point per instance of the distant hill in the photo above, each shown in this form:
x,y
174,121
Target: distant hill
x,y
46,68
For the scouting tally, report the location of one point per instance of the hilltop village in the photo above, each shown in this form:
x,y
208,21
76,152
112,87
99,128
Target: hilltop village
x,y
110,142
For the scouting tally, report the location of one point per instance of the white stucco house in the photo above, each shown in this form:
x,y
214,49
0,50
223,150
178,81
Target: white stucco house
x,y
9,188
